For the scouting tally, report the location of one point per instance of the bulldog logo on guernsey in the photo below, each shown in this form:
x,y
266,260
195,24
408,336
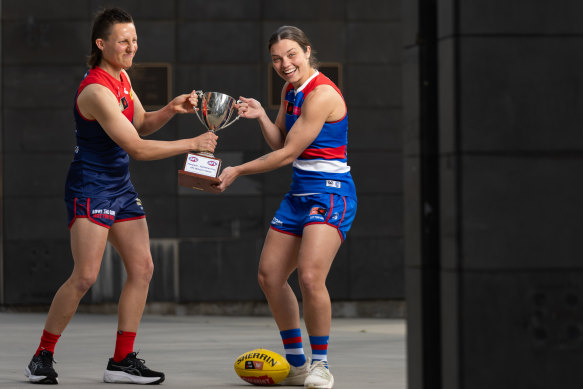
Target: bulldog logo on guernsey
x,y
291,109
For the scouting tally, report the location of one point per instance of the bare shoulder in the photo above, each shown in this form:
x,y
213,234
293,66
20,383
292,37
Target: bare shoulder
x,y
326,98
92,97
283,90
127,75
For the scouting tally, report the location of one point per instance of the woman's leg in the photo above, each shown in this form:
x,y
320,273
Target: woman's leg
x,y
320,243
88,242
132,242
278,261
319,246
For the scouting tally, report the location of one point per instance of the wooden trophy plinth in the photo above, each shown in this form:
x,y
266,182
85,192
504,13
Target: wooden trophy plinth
x,y
200,172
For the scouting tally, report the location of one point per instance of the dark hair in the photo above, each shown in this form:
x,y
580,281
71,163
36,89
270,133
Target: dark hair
x,y
294,34
102,25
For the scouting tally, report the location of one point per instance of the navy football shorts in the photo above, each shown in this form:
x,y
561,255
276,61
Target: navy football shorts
x,y
105,212
296,212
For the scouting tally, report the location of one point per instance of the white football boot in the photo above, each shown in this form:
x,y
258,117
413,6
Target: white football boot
x,y
319,377
297,375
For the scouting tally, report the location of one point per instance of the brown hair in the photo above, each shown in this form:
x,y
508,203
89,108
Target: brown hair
x,y
102,29
294,34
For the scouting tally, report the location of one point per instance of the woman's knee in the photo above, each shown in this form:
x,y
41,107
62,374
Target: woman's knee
x,y
142,269
269,281
263,280
310,281
82,282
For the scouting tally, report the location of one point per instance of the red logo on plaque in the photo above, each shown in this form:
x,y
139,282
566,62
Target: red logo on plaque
x,y
192,158
212,163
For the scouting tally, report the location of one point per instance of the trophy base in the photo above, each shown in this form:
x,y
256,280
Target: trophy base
x,y
200,171
197,181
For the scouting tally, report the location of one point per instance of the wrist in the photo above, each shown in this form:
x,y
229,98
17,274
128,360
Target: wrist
x,y
262,118
236,171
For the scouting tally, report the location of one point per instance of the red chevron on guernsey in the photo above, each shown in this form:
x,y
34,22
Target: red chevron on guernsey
x,y
326,153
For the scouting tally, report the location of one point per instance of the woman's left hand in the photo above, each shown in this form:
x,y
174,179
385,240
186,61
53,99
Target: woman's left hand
x,y
228,175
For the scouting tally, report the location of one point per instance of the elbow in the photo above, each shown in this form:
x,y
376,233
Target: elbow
x,y
138,156
138,153
288,159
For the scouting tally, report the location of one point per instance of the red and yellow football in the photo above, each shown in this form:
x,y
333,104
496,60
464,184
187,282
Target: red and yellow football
x,y
262,367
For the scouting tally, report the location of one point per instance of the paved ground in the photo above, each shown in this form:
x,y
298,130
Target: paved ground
x,y
199,351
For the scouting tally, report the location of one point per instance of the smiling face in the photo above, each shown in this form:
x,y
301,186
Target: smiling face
x,y
291,62
119,48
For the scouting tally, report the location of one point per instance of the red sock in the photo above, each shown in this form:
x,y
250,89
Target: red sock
x,y
48,342
124,344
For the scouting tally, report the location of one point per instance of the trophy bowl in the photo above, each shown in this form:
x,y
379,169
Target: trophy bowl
x,y
216,109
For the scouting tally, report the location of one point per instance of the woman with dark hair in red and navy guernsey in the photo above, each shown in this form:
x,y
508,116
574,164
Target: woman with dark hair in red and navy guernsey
x,y
101,201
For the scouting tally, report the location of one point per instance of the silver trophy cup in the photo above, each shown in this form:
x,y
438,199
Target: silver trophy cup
x,y
201,169
216,109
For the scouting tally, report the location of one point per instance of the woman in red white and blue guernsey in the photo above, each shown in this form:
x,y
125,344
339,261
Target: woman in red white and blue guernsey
x,y
101,201
310,132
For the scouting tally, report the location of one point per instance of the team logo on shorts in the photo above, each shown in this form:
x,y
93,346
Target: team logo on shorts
x,y
276,221
139,203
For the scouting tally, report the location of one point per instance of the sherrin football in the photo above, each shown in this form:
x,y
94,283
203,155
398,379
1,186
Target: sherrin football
x,y
262,367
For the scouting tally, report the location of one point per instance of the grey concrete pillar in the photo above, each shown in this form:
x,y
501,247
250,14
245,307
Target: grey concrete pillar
x,y
509,305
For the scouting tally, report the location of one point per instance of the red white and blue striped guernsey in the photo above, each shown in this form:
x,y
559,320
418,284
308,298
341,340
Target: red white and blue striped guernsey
x,y
323,165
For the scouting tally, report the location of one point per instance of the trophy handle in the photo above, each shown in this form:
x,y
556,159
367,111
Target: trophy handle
x,y
200,93
234,120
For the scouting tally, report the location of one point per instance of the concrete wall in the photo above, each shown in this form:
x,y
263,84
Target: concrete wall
x,y
206,247
510,149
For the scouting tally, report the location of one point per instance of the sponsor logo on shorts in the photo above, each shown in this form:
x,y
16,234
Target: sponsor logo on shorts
x,y
333,184
103,214
317,213
139,204
335,216
276,221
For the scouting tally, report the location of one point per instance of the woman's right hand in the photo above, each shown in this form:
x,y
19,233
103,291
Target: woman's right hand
x,y
249,108
205,142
